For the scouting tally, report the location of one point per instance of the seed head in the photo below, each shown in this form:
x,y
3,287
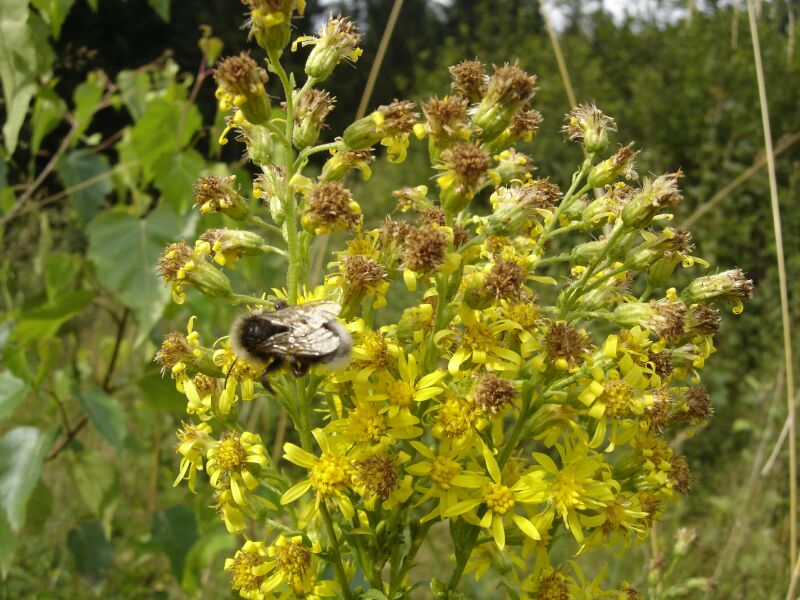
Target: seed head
x,y
219,194
655,195
525,123
361,273
586,123
565,343
494,395
505,279
469,80
377,475
446,117
425,249
467,161
330,207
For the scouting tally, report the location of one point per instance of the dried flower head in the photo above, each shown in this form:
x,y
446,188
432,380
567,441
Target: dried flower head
x,y
376,476
525,123
174,349
655,195
330,207
509,89
504,279
732,285
620,165
494,395
565,344
240,83
309,116
362,273
337,40
446,118
702,319
680,475
425,249
586,123
219,194
469,80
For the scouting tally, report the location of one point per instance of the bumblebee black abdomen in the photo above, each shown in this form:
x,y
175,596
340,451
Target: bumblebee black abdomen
x,y
254,331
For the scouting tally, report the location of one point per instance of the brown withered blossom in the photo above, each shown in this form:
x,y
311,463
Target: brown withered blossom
x,y
468,161
662,363
173,349
505,279
494,395
330,205
377,475
680,475
469,80
398,117
240,75
563,341
360,272
425,249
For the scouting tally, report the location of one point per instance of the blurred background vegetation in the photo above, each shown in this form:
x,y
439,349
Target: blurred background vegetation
x,y
109,116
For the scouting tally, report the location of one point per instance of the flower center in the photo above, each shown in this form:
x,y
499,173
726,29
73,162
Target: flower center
x,y
329,474
400,393
292,560
366,424
243,568
443,470
498,498
230,454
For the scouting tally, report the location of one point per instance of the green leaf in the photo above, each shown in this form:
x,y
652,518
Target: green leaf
x,y
40,507
106,414
165,127
86,98
161,7
48,111
175,531
22,452
97,482
160,394
8,545
125,251
46,320
76,170
54,12
134,87
93,554
175,175
18,64
200,557
60,272
12,392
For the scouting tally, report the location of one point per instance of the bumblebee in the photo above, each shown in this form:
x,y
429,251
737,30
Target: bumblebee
x,y
296,337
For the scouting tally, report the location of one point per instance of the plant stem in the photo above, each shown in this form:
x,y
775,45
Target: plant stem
x,y
337,556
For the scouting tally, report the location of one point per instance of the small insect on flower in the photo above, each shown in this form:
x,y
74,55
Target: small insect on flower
x,y
292,336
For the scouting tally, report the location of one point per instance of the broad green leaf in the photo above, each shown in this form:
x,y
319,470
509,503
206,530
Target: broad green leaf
x,y
98,484
175,175
22,452
8,545
165,127
134,86
106,414
12,392
48,111
60,272
46,320
125,251
200,558
40,507
54,12
15,358
93,554
48,350
160,394
17,66
86,99
175,531
161,7
87,179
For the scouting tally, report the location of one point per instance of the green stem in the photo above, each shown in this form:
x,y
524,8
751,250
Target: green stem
x,y
397,577
336,554
566,202
245,299
258,221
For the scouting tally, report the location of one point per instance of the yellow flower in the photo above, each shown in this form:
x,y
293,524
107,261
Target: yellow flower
x,y
366,424
329,474
372,353
499,501
477,342
238,373
401,393
194,442
233,463
248,568
449,481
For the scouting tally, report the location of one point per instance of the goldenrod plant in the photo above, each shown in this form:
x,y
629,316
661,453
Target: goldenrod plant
x,y
529,390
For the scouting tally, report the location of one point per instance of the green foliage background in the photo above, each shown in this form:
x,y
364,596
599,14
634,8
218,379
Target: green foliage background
x,y
109,117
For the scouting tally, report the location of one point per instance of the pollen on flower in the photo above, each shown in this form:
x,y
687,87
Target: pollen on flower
x,y
230,454
365,424
173,259
377,475
553,587
329,474
455,417
443,470
469,80
292,559
425,249
173,349
498,498
362,273
400,393
467,161
617,398
330,207
494,395
247,569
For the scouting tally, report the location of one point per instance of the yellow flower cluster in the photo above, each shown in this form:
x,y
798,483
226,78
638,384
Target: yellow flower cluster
x,y
529,388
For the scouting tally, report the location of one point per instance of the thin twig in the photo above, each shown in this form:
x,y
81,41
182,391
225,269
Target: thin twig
x,y
787,337
115,353
562,65
57,449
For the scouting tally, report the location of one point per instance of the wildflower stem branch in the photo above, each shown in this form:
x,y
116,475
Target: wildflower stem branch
x,y
335,551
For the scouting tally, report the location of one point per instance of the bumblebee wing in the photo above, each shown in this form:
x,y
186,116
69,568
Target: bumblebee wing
x,y
304,318
302,342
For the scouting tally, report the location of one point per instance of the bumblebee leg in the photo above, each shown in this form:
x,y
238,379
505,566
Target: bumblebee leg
x,y
300,367
270,368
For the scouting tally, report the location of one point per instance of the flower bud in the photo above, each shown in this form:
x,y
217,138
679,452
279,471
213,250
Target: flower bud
x,y
336,40
270,21
730,285
469,80
309,117
330,207
509,89
342,161
241,83
611,169
226,246
180,265
466,167
217,194
663,317
588,124
655,195
257,138
266,187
